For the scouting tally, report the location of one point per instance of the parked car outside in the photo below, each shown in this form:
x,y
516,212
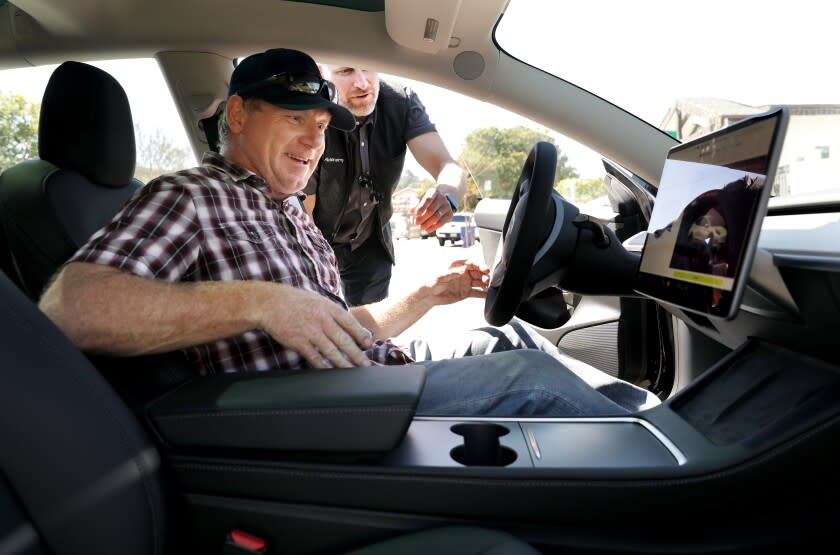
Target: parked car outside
x,y
454,230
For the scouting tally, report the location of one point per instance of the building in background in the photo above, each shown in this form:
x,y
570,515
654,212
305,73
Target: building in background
x,y
812,145
402,220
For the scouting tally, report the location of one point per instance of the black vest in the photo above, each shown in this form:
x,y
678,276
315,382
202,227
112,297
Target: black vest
x,y
340,167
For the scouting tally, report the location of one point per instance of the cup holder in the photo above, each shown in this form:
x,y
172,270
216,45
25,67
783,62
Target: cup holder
x,y
481,445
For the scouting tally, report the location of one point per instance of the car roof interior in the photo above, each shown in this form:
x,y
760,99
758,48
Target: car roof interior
x,y
381,34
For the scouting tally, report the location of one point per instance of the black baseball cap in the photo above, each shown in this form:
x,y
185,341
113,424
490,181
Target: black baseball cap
x,y
276,76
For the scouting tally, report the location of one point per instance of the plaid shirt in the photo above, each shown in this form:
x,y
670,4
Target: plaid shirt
x,y
217,222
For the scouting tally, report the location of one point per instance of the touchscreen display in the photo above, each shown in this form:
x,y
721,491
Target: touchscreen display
x,y
705,222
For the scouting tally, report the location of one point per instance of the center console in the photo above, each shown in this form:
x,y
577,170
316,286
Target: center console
x,y
597,443
751,441
753,400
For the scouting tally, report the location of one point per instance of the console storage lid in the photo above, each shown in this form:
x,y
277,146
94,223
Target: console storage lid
x,y
337,410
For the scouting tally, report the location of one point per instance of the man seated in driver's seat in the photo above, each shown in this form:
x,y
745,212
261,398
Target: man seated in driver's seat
x,y
218,261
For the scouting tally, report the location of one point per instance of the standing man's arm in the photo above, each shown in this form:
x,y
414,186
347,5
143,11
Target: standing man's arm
x,y
434,209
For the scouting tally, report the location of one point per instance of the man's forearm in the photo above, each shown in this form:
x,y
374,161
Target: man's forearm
x,y
389,318
105,310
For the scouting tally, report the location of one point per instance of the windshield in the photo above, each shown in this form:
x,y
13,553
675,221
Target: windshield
x,y
690,68
458,218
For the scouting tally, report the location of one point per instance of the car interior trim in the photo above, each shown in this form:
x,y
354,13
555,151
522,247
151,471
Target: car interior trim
x,y
675,451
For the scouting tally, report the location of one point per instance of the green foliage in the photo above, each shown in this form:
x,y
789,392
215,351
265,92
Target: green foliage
x,y
472,197
156,153
497,155
580,191
18,129
407,179
424,185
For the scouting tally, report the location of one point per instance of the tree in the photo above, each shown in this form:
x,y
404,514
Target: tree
x,y
580,191
424,185
407,179
497,155
18,129
157,154
473,196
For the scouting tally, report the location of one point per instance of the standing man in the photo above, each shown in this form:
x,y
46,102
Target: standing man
x,y
349,196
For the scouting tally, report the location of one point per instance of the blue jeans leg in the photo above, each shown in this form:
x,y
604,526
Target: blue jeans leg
x,y
521,382
568,386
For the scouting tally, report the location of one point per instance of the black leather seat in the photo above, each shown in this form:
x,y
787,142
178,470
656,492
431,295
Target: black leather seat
x,y
78,474
50,206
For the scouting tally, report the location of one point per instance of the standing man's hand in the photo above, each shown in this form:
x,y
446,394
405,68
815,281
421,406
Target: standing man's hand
x,y
432,211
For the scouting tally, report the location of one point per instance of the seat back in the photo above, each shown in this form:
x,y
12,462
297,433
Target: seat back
x,y
77,472
50,206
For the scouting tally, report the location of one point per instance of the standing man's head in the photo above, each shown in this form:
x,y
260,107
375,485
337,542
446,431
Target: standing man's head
x,y
358,89
277,112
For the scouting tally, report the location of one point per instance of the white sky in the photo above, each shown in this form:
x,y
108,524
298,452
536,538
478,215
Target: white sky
x,y
754,52
643,55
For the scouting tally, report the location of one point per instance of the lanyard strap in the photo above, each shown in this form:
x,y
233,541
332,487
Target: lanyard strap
x,y
364,148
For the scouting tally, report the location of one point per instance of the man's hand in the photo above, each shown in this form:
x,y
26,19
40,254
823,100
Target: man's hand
x,y
462,280
432,211
325,334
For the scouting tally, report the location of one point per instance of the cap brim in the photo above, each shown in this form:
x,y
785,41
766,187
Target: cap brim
x,y
342,118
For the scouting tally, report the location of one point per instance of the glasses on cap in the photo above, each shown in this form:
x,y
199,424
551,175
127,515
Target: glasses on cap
x,y
304,83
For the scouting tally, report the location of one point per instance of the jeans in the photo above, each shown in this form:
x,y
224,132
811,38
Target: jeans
x,y
514,371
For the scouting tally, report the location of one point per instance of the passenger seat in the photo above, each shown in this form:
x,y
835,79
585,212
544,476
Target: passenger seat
x,y
50,206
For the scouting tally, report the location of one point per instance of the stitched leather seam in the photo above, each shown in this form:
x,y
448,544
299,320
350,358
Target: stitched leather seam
x,y
284,412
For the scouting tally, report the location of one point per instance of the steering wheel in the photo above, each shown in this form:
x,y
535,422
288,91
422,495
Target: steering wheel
x,y
523,234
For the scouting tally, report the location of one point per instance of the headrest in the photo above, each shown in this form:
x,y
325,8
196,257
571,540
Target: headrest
x,y
86,125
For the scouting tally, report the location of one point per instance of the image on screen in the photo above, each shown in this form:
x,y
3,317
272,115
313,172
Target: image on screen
x,y
711,199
